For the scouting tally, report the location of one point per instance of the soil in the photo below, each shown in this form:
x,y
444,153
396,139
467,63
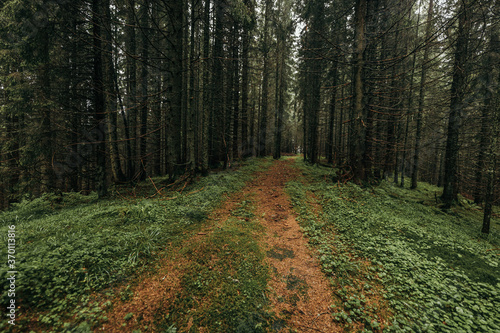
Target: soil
x,y
301,293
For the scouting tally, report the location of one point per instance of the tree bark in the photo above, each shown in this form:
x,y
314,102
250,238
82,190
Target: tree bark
x,y
205,148
370,56
99,100
245,79
174,113
111,96
131,94
144,86
421,98
457,107
236,91
358,130
265,83
491,129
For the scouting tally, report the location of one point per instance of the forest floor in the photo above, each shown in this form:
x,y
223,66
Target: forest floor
x,y
298,292
270,246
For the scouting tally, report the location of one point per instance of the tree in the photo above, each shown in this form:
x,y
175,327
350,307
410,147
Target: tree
x,y
173,117
284,26
421,98
265,47
490,127
313,67
111,95
248,26
143,86
457,105
205,147
358,131
99,99
131,91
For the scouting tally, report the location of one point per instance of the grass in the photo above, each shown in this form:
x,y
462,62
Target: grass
x,y
438,273
70,246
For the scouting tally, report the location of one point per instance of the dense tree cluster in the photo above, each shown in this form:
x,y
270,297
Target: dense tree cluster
x,y
395,89
95,92
98,91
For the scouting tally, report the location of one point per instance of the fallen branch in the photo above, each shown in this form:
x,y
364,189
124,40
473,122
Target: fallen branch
x,y
123,197
193,192
158,192
184,186
156,188
172,198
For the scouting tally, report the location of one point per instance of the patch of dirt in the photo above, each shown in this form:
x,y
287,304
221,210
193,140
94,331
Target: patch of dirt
x,y
301,294
152,293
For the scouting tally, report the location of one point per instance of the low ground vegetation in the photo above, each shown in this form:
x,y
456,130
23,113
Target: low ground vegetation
x,y
71,245
438,272
395,260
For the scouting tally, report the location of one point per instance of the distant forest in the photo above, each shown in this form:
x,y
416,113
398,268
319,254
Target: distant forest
x,y
102,92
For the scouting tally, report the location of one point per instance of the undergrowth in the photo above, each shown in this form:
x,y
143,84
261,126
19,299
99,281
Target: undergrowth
x,y
438,273
71,245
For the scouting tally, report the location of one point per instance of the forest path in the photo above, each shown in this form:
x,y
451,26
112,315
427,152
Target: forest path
x,y
301,294
198,279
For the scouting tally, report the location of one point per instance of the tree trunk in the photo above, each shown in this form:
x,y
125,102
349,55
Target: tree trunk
x,y
488,204
174,113
184,116
156,106
491,130
144,77
191,101
246,38
330,143
47,136
130,97
236,91
370,56
206,90
392,121
358,130
265,84
218,110
99,99
111,96
421,98
457,107
489,90
281,54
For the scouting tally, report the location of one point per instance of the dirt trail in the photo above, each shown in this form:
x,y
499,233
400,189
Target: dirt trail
x,y
301,294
